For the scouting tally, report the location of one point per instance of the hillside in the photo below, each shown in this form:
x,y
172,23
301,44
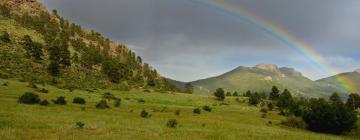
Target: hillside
x,y
261,78
352,77
42,47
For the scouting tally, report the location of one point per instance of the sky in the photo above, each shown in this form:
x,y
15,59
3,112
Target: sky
x,y
186,40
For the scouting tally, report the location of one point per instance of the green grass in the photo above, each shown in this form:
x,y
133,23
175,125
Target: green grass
x,y
17,32
233,121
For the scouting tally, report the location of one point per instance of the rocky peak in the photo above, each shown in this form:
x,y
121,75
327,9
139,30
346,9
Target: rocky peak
x,y
30,6
271,67
357,70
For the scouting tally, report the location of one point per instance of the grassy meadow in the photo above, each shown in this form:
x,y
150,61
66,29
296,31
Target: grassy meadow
x,y
229,120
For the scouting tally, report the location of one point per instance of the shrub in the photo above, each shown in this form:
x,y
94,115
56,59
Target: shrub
x,y
263,115
43,90
5,37
141,100
102,104
144,114
6,84
60,101
79,100
29,98
172,123
197,111
108,96
44,103
254,99
33,86
117,103
177,112
270,106
80,124
295,122
219,94
263,110
207,108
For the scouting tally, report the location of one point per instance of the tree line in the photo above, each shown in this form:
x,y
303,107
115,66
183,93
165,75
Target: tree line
x,y
321,115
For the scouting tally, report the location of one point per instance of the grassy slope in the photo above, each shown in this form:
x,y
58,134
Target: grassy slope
x,y
234,121
353,77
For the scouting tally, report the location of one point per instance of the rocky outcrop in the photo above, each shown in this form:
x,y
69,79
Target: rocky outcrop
x,y
29,6
271,67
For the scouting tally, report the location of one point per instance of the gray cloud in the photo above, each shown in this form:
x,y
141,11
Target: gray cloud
x,y
187,41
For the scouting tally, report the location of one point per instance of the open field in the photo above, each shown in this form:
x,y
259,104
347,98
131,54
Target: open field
x,y
233,121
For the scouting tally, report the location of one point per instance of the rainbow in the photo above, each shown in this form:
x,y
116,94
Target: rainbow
x,y
279,33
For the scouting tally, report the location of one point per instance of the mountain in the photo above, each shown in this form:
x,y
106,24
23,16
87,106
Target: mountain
x,y
352,78
261,78
42,47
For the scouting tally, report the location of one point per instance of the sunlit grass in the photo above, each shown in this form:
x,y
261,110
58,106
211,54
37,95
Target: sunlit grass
x,y
233,121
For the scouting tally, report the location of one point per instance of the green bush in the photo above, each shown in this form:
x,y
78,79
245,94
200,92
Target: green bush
x,y
43,90
263,110
144,114
5,37
177,112
29,98
60,101
44,103
295,122
117,103
207,108
79,100
197,111
80,124
172,123
141,100
102,104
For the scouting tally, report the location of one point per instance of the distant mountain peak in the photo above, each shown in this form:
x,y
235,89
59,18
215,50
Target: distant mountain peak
x,y
271,67
357,70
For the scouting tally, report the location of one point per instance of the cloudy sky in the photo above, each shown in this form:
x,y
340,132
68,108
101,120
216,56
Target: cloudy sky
x,y
187,40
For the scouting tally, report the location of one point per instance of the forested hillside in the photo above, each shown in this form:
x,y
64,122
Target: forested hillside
x,y
42,47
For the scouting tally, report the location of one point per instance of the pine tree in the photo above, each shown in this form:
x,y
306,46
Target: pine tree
x,y
189,88
274,94
335,99
219,94
353,101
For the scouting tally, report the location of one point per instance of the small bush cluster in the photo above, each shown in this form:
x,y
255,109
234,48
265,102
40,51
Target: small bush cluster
x,y
79,100
44,103
295,122
102,104
145,114
177,112
29,98
43,90
80,124
172,123
197,111
207,108
117,103
60,100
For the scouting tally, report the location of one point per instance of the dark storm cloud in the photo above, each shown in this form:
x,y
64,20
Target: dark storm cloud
x,y
185,40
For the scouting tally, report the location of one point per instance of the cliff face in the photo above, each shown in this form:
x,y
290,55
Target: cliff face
x,y
29,6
